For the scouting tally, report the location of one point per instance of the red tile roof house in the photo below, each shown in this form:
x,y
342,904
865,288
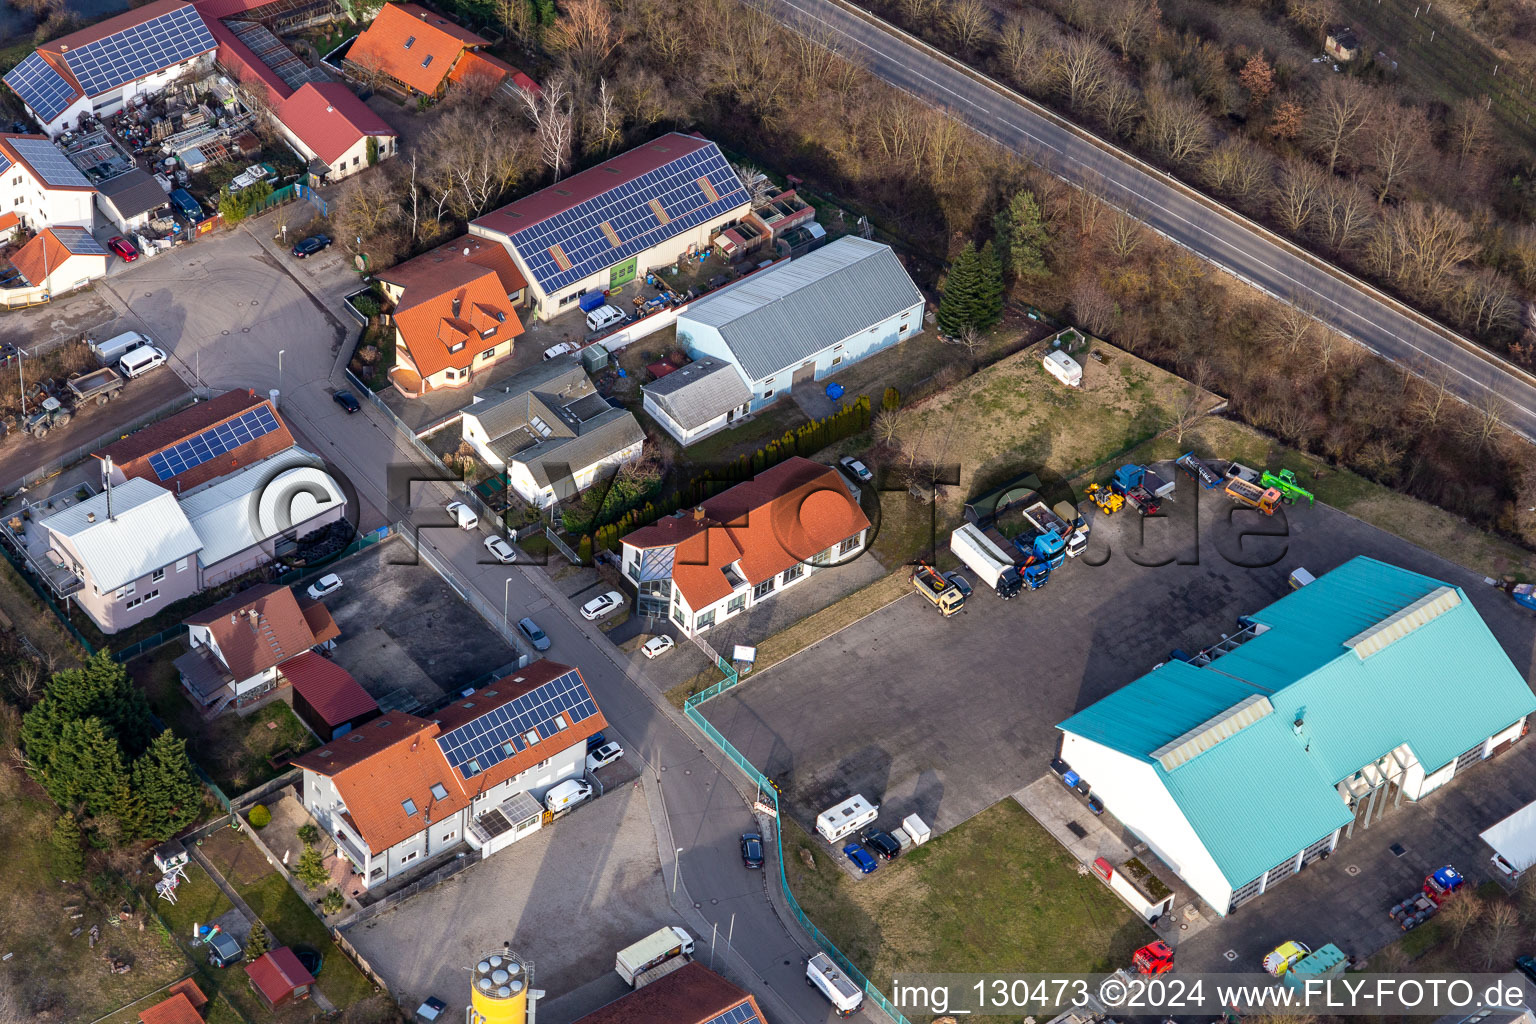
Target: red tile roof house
x,y
453,313
326,697
402,789
61,260
412,50
278,978
184,1005
744,545
241,647
693,994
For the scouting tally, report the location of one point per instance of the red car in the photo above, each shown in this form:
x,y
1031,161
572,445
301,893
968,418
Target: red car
x,y
123,248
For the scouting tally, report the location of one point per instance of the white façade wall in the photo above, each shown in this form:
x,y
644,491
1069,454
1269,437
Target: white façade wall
x,y
1135,795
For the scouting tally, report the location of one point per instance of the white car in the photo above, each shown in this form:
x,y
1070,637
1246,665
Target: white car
x,y
605,754
604,317
857,468
324,586
463,516
656,646
602,605
561,349
500,549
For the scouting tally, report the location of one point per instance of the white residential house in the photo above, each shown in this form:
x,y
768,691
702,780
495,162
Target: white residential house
x,y
745,545
400,790
1266,751
550,432
695,400
41,186
803,320
238,646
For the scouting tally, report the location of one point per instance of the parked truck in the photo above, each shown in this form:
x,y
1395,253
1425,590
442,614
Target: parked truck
x,y
1245,492
1439,885
1074,518
99,386
1199,470
986,560
1141,487
634,961
1045,520
1285,482
938,591
1041,552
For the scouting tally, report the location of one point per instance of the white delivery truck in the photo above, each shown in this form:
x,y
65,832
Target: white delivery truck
x,y
849,816
114,348
565,795
1513,841
986,560
637,963
845,996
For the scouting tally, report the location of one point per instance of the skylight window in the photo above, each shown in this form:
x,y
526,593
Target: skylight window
x,y
439,791
409,41
427,61
410,807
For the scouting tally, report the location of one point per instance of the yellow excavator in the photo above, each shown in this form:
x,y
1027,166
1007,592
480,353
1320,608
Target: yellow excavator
x,y
1108,501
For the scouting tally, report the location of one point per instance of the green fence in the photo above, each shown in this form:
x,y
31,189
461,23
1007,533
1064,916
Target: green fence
x,y
149,643
769,791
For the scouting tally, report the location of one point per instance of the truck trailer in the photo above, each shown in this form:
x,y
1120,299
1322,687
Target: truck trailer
x,y
1045,520
655,949
1199,470
99,386
991,564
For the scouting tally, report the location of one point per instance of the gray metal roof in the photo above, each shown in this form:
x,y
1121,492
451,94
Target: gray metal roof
x,y
697,393
778,318
133,193
147,531
556,459
503,407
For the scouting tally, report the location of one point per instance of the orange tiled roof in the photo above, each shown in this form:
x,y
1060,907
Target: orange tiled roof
x,y
177,1009
261,627
188,988
378,766
412,45
451,297
45,254
492,70
131,454
8,221
781,517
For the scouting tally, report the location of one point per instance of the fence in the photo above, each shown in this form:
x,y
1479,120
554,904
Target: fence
x,y
770,791
461,861
149,643
305,192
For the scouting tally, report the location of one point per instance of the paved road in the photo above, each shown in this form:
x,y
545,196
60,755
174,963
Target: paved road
x,y
1234,246
224,307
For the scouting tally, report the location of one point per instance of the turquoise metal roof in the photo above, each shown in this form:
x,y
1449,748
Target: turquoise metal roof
x,y
1268,789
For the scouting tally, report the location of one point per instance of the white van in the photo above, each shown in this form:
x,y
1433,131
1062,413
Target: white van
x,y
567,794
1063,367
110,350
463,516
849,816
845,996
141,360
604,317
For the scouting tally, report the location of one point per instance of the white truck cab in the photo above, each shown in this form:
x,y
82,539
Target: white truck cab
x,y
845,996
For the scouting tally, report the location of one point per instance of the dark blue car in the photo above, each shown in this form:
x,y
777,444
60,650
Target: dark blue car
x,y
860,857
311,245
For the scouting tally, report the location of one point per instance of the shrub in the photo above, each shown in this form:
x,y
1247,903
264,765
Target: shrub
x,y
309,834
367,305
311,868
260,817
333,901
258,942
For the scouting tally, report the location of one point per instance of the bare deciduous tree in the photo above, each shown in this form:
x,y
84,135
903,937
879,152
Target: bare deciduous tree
x,y
1239,168
604,125
586,33
1344,215
550,111
1188,409
1024,49
1129,24
1092,305
1298,193
1500,924
1487,302
1483,427
1119,106
1420,246
887,425
1396,144
1336,119
1470,129
1458,915
1176,125
474,156
1081,68
969,23
1125,235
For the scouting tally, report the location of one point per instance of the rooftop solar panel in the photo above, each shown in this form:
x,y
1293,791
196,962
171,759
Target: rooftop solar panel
x,y
501,733
40,87
50,164
735,1015
212,443
140,50
80,242
578,233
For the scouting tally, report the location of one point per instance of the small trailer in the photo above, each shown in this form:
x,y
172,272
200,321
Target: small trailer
x,y
1202,472
99,386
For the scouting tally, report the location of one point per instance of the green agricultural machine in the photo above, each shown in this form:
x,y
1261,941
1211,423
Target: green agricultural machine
x,y
1289,489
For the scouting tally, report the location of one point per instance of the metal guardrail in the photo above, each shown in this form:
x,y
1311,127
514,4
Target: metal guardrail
x,y
769,791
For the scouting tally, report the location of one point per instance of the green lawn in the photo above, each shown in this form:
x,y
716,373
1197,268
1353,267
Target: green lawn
x,y
234,751
996,895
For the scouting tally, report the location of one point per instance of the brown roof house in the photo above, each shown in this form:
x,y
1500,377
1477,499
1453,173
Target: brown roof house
x,y
278,978
240,645
693,994
400,790
326,696
1341,43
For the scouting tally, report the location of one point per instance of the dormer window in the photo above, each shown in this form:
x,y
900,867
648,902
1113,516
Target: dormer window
x,y
456,348
439,791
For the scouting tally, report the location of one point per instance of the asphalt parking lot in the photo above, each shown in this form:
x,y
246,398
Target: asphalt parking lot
x,y
567,897
943,717
402,626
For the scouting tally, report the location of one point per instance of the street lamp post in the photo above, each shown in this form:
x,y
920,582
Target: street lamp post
x,y
505,591
21,379
676,868
280,372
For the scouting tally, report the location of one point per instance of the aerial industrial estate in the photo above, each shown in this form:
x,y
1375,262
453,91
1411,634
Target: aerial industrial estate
x,y
508,518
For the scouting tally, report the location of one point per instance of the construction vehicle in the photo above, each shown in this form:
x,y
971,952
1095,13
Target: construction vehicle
x,y
1244,492
99,386
1153,958
1202,472
1438,886
1044,520
1108,501
991,563
1285,482
52,414
940,592
1141,487
1280,959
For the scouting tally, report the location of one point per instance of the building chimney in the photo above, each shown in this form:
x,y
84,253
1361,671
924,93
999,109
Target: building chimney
x,y
698,514
90,517
330,109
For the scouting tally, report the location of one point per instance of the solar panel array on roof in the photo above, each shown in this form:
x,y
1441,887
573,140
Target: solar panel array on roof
x,y
625,211
212,443
51,165
141,50
503,732
736,1015
79,241
42,88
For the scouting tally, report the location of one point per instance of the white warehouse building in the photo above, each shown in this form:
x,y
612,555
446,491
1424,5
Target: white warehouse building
x,y
1264,753
805,319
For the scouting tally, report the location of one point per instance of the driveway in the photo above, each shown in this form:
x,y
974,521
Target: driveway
x,y
943,717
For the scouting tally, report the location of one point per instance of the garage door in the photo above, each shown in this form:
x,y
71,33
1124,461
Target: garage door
x,y
1280,872
1316,850
1470,757
1245,893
